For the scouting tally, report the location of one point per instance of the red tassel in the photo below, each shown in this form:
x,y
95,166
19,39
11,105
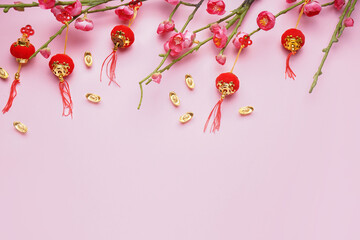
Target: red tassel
x,y
111,59
12,96
216,111
66,98
289,72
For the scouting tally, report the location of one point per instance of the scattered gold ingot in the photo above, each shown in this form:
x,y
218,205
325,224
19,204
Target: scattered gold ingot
x,y
20,127
189,81
3,73
93,97
174,99
186,117
246,110
88,59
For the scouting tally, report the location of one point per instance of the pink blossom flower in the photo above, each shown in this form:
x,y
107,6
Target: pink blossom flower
x,y
338,4
74,9
236,40
220,38
349,22
176,42
61,14
166,26
216,7
20,9
312,9
156,77
173,2
189,38
46,4
84,24
265,20
215,28
45,52
221,59
290,1
125,13
172,52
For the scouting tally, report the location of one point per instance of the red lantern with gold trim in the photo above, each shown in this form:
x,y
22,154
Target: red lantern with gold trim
x,y
62,66
227,84
292,40
122,37
22,50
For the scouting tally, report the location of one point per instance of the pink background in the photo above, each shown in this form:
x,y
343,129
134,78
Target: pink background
x,y
288,171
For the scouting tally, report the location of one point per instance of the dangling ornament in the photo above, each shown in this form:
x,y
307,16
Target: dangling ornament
x,y
227,84
293,40
62,66
122,37
22,50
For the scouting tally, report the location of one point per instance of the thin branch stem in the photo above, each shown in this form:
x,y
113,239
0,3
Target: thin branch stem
x,y
334,39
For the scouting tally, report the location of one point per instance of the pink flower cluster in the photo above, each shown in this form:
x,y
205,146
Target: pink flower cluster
x,y
220,38
312,9
125,13
179,42
166,26
338,4
216,7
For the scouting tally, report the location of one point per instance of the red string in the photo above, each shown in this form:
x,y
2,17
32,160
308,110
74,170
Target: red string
x,y
66,98
111,59
216,111
289,72
12,96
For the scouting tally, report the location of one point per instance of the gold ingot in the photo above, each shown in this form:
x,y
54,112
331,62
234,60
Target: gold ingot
x,y
186,117
246,110
93,97
20,127
88,59
189,81
3,73
174,99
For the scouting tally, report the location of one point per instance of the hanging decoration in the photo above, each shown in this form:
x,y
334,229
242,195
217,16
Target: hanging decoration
x,y
22,50
62,66
227,84
123,37
293,40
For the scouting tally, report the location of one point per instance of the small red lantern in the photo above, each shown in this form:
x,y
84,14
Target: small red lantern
x,y
22,50
292,40
122,37
62,66
227,84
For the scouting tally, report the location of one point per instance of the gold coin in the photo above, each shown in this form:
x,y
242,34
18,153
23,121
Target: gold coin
x,y
186,117
88,59
174,99
189,81
3,73
20,127
246,110
93,97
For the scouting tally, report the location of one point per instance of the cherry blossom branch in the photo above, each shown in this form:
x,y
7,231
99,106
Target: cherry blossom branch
x,y
289,9
46,44
7,7
334,39
164,57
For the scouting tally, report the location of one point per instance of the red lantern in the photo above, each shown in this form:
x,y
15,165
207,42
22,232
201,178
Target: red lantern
x,y
292,40
122,37
22,50
227,84
62,66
